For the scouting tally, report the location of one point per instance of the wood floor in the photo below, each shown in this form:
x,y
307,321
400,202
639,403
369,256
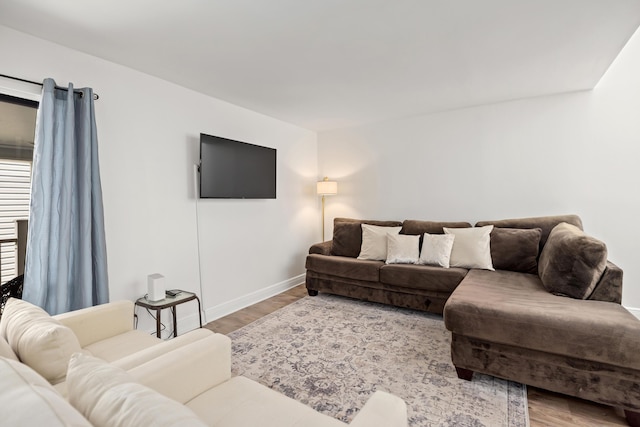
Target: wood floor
x,y
545,408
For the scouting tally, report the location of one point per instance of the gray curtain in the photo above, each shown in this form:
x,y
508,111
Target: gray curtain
x,y
66,263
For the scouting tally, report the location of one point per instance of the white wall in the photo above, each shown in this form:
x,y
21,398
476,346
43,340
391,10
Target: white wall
x,y
572,153
148,134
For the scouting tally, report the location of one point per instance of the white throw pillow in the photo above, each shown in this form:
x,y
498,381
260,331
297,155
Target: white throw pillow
x,y
402,249
27,399
471,247
374,241
108,396
436,249
39,340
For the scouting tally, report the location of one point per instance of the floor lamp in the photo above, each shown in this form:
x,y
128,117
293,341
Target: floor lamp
x,y
326,188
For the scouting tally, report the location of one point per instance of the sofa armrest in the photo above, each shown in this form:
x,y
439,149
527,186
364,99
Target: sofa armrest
x,y
99,322
382,409
609,287
188,371
323,248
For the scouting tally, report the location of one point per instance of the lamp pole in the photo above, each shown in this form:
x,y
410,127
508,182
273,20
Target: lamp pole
x,y
323,217
326,188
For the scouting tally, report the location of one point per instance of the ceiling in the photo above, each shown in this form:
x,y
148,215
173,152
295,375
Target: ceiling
x,y
329,64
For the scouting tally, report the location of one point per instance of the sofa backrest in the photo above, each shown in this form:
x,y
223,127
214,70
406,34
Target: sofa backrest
x,y
347,232
6,350
417,227
544,223
28,399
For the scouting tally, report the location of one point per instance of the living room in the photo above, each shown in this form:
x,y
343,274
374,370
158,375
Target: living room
x,y
568,151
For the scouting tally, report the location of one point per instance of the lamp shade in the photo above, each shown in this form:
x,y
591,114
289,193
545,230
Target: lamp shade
x,y
327,188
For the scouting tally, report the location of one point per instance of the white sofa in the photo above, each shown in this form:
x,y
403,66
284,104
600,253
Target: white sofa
x,y
184,381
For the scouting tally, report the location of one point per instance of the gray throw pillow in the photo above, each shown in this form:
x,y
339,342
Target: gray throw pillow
x,y
571,263
515,249
544,223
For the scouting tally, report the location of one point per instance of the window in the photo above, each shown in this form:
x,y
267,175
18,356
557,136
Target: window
x,y
17,131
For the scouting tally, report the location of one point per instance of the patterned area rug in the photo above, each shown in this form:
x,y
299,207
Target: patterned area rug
x,y
332,353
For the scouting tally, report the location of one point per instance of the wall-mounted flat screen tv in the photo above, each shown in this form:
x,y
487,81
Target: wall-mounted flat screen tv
x,y
236,170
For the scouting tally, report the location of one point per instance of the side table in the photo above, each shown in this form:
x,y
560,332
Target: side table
x,y
169,302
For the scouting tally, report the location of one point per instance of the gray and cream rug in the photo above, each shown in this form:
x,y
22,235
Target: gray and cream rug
x,y
332,353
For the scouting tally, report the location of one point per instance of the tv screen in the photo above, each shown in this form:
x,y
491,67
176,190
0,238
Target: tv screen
x,y
236,170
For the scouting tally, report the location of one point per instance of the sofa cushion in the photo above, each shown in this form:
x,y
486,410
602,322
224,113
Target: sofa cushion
x,y
515,249
598,331
122,345
347,267
108,396
145,355
426,277
242,402
544,223
571,262
374,241
347,235
471,247
27,399
38,340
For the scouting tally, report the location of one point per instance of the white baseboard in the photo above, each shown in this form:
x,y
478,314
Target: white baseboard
x,y
634,311
229,307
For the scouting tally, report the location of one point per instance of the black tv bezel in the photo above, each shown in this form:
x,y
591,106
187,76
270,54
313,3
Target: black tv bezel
x,y
275,177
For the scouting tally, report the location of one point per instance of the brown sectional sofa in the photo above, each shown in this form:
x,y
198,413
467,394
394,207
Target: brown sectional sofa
x,y
503,323
332,267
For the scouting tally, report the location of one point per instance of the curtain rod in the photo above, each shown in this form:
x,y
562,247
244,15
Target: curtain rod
x,y
95,95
